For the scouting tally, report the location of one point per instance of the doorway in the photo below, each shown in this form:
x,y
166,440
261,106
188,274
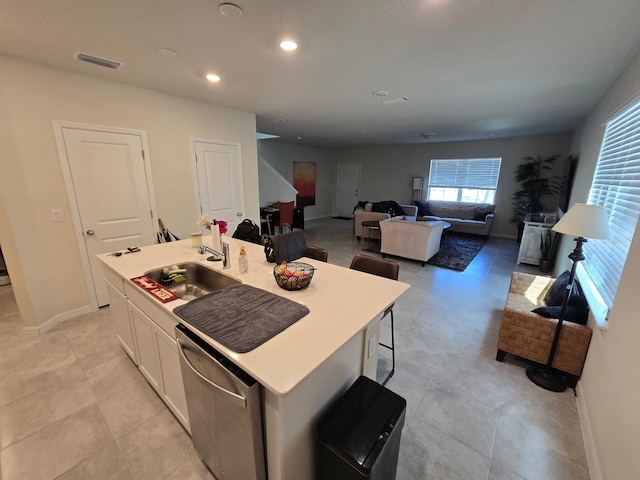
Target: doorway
x,y
108,179
218,167
348,189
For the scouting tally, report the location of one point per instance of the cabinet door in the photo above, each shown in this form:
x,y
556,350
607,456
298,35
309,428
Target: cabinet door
x,y
173,395
148,361
121,321
530,244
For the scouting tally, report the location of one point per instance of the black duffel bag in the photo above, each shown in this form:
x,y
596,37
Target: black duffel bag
x,y
285,247
248,231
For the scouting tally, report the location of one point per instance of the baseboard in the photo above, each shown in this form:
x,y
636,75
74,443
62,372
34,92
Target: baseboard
x,y
56,320
587,436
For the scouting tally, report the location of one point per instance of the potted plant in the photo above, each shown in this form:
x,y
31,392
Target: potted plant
x,y
534,185
548,249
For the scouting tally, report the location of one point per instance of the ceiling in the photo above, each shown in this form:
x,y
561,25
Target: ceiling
x,y
470,69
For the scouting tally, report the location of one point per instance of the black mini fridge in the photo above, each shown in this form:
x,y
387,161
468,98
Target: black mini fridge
x,y
359,436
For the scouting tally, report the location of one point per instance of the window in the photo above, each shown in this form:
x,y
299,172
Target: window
x,y
464,179
616,185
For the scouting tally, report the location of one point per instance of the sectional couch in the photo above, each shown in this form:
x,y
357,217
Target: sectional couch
x,y
410,239
475,218
367,213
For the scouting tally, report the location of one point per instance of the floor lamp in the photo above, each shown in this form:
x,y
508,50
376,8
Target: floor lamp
x,y
581,221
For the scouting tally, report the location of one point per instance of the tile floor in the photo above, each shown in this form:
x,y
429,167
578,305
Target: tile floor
x,y
72,405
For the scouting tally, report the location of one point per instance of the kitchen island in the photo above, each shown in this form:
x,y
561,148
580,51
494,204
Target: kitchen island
x,y
301,370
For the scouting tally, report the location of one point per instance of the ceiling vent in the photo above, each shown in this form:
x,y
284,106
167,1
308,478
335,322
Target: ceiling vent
x,y
393,101
103,62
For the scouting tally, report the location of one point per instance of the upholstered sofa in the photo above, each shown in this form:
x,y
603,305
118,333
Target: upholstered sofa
x,y
529,335
366,213
475,218
408,238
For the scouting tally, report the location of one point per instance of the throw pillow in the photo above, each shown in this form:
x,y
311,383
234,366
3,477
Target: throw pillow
x,y
424,210
555,295
481,214
572,314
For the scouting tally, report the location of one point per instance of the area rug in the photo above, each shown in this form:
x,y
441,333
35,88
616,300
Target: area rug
x,y
457,250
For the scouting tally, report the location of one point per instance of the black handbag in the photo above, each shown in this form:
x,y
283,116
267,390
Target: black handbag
x,y
248,231
285,247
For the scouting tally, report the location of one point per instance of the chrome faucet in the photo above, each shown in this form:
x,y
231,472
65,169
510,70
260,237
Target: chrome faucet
x,y
224,255
204,249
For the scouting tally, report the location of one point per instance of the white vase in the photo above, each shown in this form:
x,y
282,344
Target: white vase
x,y
216,242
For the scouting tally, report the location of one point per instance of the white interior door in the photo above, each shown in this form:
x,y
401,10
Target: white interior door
x,y
113,198
348,188
219,181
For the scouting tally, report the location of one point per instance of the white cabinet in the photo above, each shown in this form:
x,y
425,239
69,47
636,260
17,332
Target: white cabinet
x,y
145,332
122,321
531,240
159,362
173,389
148,361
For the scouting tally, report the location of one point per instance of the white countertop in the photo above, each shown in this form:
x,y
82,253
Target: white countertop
x,y
341,302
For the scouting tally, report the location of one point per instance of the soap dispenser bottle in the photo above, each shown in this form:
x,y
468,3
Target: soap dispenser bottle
x,y
243,261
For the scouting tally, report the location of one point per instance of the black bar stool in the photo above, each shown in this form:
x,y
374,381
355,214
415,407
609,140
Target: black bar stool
x,y
387,269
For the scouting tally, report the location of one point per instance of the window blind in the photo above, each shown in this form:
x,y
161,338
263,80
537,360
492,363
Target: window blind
x,y
465,173
616,185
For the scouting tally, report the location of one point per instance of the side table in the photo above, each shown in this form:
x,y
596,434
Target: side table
x,y
369,225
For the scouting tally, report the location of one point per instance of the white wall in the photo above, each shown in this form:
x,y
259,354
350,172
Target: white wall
x,y
610,381
273,186
281,157
42,256
387,172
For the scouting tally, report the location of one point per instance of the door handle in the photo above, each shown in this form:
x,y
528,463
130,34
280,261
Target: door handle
x,y
90,232
238,214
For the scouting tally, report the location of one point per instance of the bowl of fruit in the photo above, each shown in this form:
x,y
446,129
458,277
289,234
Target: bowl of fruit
x,y
293,275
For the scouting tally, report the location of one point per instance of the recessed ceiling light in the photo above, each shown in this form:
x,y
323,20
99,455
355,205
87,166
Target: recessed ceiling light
x,y
380,93
288,45
212,77
230,10
299,137
167,52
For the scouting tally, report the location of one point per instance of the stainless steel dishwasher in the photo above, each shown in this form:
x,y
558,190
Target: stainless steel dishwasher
x,y
225,410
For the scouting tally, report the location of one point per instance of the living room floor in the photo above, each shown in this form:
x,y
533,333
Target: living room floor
x,y
72,405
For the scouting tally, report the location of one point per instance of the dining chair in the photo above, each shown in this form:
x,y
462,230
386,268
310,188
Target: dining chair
x,y
317,253
382,268
285,216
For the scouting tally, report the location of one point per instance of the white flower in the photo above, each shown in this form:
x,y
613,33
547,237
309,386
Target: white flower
x,y
205,221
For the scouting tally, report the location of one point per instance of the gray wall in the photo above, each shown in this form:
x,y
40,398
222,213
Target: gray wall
x,y
610,386
281,157
387,172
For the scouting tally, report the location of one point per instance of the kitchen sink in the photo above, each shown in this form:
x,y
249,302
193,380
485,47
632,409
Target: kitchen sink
x,y
196,281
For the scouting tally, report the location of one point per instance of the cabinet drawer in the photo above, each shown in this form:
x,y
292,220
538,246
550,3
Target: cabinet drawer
x,y
152,309
114,279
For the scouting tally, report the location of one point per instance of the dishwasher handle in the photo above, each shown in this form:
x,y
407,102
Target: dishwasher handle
x,y
235,398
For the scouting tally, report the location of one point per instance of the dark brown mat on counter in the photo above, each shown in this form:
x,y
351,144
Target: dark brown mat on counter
x,y
241,317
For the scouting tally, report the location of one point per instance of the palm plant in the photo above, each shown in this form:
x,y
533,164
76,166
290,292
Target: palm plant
x,y
533,186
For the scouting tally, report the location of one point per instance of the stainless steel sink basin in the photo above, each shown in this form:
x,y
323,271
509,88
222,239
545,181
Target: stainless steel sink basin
x,y
197,281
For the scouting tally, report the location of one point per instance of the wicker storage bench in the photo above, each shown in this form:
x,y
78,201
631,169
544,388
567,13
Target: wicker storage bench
x,y
529,335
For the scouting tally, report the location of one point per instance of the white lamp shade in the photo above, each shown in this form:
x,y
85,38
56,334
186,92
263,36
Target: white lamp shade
x,y
582,220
